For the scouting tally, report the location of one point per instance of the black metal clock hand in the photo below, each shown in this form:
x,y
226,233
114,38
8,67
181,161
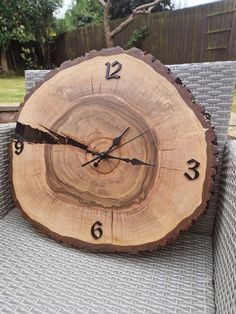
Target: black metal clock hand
x,y
133,161
132,139
104,154
92,160
116,141
31,135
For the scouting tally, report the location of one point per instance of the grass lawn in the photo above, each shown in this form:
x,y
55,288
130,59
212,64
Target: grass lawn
x,y
12,88
234,102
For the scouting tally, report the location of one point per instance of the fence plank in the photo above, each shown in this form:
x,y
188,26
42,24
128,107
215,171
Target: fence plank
x,y
197,34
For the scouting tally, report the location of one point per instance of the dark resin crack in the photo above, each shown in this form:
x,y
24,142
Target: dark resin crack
x,y
26,133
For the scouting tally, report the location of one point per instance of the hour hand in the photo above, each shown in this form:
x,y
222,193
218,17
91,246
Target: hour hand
x,y
116,141
137,162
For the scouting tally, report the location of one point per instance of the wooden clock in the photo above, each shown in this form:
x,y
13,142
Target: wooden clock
x,y
111,153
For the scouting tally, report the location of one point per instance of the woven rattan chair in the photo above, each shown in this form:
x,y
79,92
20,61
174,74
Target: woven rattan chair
x,y
194,274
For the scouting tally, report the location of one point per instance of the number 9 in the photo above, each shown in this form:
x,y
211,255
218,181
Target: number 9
x,y
19,145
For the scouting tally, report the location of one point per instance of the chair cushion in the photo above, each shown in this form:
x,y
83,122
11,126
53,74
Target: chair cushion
x,y
38,275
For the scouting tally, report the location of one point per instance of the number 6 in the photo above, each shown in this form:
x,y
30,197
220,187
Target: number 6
x,y
96,230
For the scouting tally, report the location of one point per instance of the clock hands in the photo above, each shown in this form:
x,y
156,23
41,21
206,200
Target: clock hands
x,y
135,162
116,141
31,135
132,139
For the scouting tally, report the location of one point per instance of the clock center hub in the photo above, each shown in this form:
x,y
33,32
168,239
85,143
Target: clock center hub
x,y
104,165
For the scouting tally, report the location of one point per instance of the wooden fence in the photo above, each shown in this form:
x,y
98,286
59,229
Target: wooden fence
x,y
197,34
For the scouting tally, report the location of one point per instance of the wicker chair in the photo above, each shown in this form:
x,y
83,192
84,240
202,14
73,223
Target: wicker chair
x,y
194,274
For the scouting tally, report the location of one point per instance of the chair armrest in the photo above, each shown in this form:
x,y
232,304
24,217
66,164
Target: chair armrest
x,y
225,235
6,201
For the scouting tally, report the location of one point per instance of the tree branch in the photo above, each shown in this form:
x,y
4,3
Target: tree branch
x,y
145,6
122,25
142,9
102,2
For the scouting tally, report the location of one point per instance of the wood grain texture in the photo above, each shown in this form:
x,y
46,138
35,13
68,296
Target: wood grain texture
x,y
140,207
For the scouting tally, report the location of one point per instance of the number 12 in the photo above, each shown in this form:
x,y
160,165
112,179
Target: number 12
x,y
114,74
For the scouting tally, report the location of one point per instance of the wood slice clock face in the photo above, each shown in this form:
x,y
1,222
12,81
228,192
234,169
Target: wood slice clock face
x,y
111,153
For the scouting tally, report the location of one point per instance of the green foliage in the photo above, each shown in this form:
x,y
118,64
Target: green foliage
x,y
122,8
64,25
30,58
42,26
88,11
137,37
29,20
25,20
13,22
41,18
82,13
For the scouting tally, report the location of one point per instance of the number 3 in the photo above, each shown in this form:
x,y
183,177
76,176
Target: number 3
x,y
193,168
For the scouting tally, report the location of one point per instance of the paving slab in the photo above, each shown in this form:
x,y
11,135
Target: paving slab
x,y
8,112
9,107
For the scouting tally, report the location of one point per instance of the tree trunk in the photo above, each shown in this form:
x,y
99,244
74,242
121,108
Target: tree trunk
x,y
4,64
109,39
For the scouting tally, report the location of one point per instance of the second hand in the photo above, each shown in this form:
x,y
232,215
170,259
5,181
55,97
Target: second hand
x,y
104,155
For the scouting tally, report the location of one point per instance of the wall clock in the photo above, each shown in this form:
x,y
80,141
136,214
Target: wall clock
x,y
111,153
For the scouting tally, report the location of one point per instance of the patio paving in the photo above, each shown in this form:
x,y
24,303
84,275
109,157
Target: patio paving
x,y
9,106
